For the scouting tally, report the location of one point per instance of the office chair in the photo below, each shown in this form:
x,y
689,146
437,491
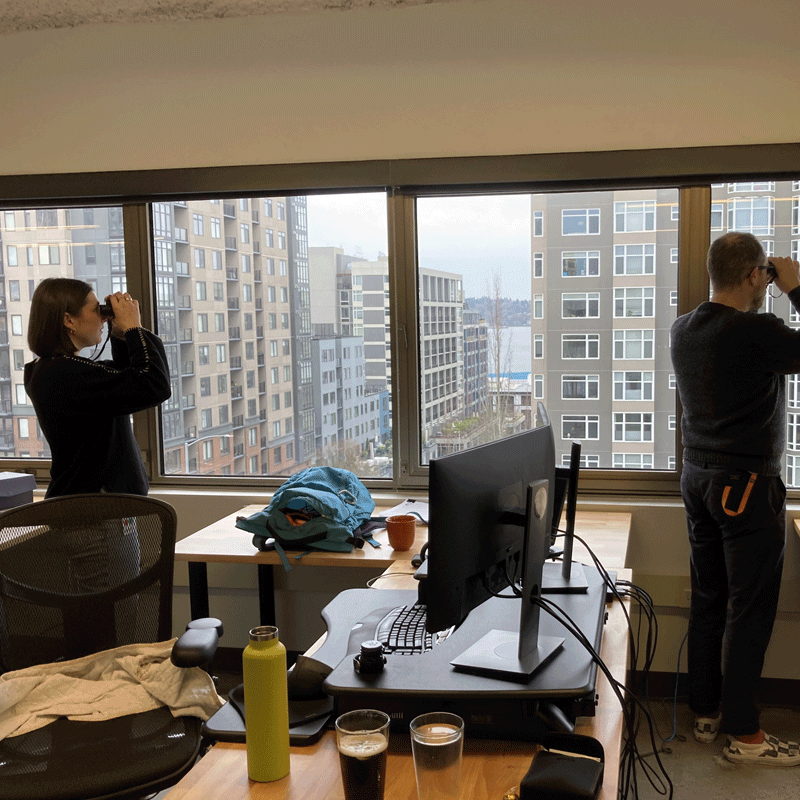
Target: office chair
x,y
80,574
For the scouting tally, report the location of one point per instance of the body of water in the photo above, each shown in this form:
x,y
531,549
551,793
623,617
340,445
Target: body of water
x,y
516,350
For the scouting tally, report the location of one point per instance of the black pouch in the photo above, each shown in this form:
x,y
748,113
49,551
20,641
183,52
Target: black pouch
x,y
561,772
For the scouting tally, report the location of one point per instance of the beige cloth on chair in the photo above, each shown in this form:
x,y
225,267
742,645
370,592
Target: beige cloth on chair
x,y
126,680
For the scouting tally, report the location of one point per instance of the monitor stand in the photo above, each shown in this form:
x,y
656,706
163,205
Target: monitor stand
x,y
497,654
557,580
516,655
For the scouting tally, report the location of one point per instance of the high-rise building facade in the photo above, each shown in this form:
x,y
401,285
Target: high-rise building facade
x,y
603,299
604,296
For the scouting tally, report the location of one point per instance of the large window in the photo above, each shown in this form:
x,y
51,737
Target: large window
x,y
516,291
55,242
486,304
332,241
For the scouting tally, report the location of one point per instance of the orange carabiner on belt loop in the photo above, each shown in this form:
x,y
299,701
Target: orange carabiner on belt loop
x,y
745,497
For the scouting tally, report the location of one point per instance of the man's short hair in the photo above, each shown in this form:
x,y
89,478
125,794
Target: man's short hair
x,y
732,257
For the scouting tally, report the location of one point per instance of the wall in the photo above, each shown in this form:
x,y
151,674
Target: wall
x,y
453,79
449,79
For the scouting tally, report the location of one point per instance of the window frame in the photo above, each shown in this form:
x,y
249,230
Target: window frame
x,y
691,170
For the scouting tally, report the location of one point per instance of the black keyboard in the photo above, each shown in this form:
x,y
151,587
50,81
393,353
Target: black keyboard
x,y
402,632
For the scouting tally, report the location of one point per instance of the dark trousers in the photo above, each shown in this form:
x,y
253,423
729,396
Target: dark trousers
x,y
737,533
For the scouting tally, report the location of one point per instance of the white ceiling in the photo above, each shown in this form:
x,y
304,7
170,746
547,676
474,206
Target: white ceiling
x,y
34,15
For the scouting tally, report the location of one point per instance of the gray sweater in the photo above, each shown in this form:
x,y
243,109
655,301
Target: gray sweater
x,y
730,368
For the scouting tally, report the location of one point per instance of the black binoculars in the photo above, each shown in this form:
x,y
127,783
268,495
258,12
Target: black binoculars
x,y
106,310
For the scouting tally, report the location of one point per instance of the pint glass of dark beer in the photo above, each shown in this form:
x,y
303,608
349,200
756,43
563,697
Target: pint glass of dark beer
x,y
363,739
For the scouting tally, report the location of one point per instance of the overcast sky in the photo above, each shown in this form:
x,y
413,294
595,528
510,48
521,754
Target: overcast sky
x,y
471,236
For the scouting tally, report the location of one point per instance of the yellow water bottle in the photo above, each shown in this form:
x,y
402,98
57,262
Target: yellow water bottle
x,y
266,705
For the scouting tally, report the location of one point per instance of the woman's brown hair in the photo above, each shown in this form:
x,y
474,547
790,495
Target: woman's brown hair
x,y
54,297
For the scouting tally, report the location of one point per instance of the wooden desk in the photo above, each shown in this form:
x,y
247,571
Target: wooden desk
x,y
490,767
222,542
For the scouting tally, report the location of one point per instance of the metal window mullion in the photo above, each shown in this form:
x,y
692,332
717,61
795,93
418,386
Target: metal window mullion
x,y
406,413
140,283
694,239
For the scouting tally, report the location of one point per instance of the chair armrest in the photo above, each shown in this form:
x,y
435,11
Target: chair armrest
x,y
197,645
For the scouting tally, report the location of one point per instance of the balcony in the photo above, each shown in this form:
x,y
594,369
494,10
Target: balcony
x,y
187,401
260,332
181,236
257,275
187,368
256,219
233,304
182,269
230,243
260,359
184,302
235,334
259,304
238,421
262,387
186,335
229,209
236,362
257,247
190,433
237,392
232,274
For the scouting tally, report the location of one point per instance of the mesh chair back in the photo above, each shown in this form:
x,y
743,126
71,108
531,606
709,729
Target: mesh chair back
x,y
84,573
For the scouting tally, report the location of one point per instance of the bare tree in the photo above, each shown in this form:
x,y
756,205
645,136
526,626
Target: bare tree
x,y
496,411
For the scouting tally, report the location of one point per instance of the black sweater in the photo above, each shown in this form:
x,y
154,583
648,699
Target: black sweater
x,y
730,368
84,411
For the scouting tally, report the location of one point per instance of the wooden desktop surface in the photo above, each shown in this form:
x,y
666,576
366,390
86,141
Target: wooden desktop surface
x,y
223,542
490,767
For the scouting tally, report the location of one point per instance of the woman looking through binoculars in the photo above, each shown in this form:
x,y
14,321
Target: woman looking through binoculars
x,y
84,406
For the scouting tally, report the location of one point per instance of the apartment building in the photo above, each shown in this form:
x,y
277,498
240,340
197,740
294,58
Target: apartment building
x,y
346,413
604,295
232,303
37,244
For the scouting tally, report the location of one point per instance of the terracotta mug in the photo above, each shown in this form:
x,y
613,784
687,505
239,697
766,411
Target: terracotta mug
x,y
401,530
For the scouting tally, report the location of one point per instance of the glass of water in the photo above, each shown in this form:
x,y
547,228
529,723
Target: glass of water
x,y
437,741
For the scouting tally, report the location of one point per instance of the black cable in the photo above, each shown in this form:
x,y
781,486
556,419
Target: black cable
x,y
630,755
517,592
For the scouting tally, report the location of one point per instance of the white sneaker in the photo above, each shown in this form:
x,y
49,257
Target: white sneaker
x,y
706,728
772,752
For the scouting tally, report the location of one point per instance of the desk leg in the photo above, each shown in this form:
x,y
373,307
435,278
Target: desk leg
x,y
198,589
266,594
